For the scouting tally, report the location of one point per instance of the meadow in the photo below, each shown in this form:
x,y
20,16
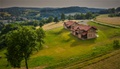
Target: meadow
x,y
108,20
62,49
112,62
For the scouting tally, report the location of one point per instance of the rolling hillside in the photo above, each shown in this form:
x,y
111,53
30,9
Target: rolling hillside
x,y
30,13
112,62
61,49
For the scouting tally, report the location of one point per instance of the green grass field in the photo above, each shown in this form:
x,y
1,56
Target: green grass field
x,y
61,48
112,62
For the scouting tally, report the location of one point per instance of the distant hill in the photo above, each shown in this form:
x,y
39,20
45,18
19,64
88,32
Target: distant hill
x,y
45,12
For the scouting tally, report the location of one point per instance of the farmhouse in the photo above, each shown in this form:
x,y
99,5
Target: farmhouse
x,y
80,30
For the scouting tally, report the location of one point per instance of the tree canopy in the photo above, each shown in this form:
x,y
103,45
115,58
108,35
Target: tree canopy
x,y
20,45
62,16
6,29
56,19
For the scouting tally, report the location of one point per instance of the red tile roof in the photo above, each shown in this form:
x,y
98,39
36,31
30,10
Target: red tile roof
x,y
69,23
83,27
78,26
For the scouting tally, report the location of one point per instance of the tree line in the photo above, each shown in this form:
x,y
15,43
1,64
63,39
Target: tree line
x,y
113,12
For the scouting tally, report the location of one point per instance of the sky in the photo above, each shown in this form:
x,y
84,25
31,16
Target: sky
x,y
60,3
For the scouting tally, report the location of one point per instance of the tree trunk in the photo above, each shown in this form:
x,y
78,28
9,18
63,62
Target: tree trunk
x,y
26,62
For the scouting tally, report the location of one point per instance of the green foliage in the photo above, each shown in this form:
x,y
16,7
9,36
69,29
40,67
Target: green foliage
x,y
62,16
116,44
114,12
22,42
40,36
20,13
4,15
35,23
89,15
9,27
118,9
56,19
111,10
41,24
6,29
43,21
70,17
1,26
50,19
78,16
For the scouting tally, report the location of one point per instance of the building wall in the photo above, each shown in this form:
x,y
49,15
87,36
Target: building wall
x,y
79,35
64,26
73,32
91,34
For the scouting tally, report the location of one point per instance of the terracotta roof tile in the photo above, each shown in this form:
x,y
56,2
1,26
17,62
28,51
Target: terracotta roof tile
x,y
79,26
69,23
84,27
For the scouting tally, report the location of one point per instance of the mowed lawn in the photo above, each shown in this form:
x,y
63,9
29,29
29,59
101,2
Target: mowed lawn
x,y
108,20
61,48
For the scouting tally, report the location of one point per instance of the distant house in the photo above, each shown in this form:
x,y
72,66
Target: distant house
x,y
80,30
69,24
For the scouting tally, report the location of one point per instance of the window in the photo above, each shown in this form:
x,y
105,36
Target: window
x,y
90,35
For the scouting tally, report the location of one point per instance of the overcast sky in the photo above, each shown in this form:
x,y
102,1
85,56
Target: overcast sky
x,y
60,3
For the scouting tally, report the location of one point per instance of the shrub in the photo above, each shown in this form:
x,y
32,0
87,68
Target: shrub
x,y
116,44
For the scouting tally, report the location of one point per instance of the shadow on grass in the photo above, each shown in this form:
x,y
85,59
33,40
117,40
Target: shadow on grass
x,y
58,31
80,42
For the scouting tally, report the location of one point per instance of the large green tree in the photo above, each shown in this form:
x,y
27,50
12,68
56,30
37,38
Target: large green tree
x,y
41,24
89,15
50,19
20,44
56,19
63,16
111,10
